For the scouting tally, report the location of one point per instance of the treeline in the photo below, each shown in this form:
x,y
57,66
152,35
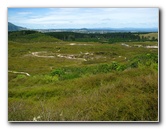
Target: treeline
x,y
97,37
23,32
30,35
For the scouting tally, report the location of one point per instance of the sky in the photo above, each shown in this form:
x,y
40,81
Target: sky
x,y
61,18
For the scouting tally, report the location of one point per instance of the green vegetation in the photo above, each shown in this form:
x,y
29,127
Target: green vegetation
x,y
34,36
149,36
104,38
81,81
27,36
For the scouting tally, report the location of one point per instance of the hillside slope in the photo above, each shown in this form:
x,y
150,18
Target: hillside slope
x,y
12,27
30,36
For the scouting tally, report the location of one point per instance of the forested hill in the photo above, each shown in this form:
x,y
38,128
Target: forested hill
x,y
27,36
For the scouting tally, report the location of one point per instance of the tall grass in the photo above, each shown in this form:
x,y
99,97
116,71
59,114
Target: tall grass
x,y
118,96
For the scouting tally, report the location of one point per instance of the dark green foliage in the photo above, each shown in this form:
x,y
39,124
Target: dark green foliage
x,y
75,72
58,72
34,36
27,36
121,67
102,38
144,59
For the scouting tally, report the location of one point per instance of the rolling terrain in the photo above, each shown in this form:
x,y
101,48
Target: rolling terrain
x,y
82,79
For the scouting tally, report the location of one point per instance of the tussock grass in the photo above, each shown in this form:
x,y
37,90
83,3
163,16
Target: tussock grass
x,y
118,96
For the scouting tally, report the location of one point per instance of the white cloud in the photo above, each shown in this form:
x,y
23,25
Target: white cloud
x,y
88,17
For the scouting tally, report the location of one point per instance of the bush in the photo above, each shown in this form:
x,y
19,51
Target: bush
x,y
104,68
58,72
114,65
145,60
76,72
121,67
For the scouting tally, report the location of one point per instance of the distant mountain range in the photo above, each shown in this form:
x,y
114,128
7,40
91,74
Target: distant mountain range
x,y
12,27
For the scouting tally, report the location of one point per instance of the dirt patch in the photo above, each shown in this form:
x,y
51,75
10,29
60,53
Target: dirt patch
x,y
81,56
80,44
151,47
126,45
138,46
71,57
42,54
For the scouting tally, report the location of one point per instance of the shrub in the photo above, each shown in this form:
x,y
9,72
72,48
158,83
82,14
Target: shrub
x,y
58,72
121,67
134,64
104,68
146,60
114,65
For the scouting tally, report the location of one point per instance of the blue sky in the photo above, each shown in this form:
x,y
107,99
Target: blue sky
x,y
54,18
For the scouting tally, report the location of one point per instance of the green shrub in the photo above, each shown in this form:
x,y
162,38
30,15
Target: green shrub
x,y
58,72
104,68
134,64
144,59
121,67
114,65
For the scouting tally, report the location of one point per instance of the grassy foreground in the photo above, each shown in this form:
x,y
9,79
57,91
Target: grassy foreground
x,y
82,81
130,95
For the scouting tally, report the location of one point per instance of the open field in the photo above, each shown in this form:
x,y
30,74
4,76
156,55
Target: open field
x,y
150,35
54,80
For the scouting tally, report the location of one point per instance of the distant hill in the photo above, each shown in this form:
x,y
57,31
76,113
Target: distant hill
x,y
28,36
100,30
12,27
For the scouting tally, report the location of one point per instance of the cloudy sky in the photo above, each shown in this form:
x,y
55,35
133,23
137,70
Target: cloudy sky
x,y
47,18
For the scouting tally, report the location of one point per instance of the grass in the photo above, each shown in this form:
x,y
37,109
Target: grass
x,y
115,83
118,96
149,35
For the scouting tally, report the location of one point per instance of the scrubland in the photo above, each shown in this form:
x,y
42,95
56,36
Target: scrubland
x,y
82,81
